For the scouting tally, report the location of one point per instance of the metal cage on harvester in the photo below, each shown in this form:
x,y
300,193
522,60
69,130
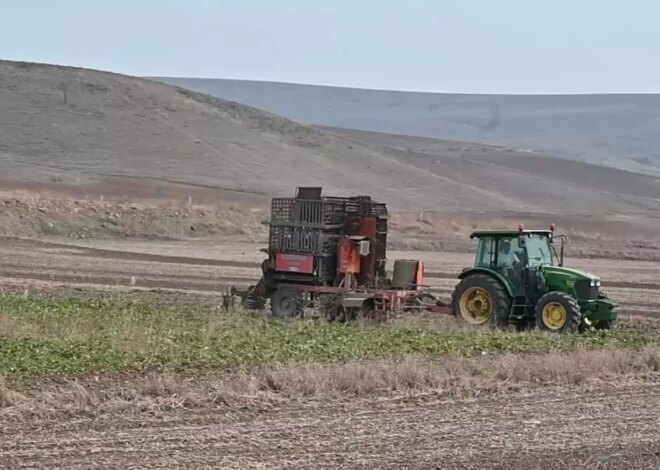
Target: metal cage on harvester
x,y
305,232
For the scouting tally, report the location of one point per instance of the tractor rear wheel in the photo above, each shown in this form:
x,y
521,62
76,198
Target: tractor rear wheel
x,y
558,312
481,299
285,303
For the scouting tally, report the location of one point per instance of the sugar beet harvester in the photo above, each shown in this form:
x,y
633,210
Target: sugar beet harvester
x,y
330,253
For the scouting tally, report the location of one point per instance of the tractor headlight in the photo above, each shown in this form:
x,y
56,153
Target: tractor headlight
x,y
595,283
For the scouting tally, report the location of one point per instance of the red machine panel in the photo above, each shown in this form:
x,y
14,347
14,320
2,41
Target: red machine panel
x,y
349,257
420,275
294,263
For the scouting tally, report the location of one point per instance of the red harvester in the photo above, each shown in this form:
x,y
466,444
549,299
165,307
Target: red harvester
x,y
330,253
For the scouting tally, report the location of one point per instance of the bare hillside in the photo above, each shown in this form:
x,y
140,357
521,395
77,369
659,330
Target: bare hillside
x,y
77,127
616,130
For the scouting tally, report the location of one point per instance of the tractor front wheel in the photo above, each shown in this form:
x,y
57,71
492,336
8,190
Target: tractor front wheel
x,y
480,299
558,312
285,303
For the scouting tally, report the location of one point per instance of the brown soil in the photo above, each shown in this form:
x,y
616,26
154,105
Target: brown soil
x,y
74,212
604,426
31,216
550,411
211,266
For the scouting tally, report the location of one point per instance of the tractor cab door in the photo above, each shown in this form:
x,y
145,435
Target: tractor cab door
x,y
511,263
538,253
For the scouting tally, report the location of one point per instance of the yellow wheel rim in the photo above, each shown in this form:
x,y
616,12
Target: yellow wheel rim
x,y
476,306
554,315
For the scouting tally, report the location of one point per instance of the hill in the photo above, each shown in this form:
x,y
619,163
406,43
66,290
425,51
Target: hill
x,y
616,130
77,128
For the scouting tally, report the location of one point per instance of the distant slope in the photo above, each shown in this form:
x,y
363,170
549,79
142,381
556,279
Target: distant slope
x,y
76,125
61,125
617,130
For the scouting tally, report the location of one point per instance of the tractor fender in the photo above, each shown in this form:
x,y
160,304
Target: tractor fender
x,y
470,271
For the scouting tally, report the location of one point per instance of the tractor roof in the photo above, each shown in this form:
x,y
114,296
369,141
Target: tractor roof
x,y
507,233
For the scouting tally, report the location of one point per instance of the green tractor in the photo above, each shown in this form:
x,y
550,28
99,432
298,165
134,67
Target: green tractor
x,y
518,278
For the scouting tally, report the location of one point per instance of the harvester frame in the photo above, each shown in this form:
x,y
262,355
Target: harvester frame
x,y
330,253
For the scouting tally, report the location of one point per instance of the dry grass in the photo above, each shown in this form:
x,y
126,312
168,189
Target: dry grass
x,y
452,377
455,376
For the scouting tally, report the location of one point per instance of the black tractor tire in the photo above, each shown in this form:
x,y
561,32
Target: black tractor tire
x,y
571,309
285,303
500,299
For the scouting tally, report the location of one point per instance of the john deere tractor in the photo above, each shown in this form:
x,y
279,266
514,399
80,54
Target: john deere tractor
x,y
518,278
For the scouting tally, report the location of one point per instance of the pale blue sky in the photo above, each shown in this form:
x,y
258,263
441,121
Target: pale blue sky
x,y
478,46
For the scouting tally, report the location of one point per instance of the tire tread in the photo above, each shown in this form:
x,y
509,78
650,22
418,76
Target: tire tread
x,y
502,301
572,311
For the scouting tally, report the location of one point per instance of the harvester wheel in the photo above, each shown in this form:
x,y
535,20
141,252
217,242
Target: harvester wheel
x,y
558,312
480,299
285,303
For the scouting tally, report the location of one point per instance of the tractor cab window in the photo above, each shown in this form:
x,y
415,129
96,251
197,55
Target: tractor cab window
x,y
486,253
500,253
509,253
538,250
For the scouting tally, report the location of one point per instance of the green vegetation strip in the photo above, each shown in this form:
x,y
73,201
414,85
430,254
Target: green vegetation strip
x,y
79,334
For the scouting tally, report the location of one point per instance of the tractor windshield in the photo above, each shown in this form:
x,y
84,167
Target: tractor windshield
x,y
539,250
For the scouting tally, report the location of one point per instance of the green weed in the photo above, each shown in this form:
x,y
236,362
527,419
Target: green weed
x,y
85,333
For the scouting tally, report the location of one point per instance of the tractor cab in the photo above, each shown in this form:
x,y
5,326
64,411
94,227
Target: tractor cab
x,y
516,254
518,277
498,249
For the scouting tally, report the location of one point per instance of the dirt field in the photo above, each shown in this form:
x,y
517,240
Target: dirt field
x,y
604,424
609,426
211,266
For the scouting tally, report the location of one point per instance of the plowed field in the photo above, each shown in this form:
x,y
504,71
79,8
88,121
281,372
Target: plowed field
x,y
211,266
603,427
598,424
